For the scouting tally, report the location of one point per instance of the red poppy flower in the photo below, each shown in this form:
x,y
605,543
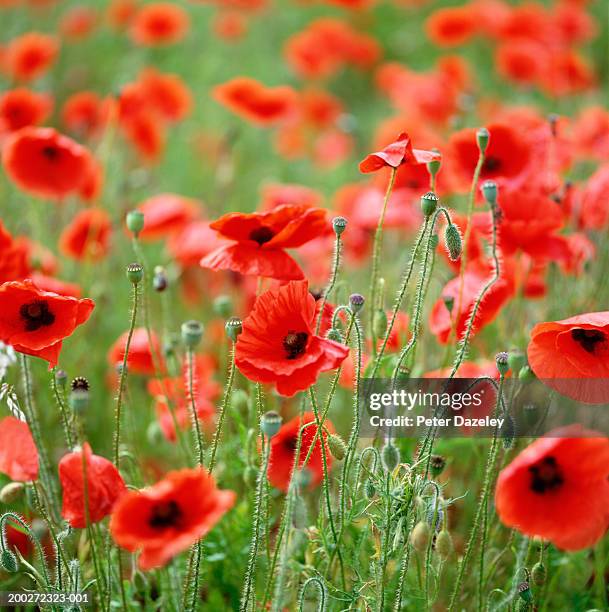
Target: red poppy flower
x,y
278,343
276,194
146,133
139,360
558,489
86,113
397,153
30,55
593,211
18,453
167,213
592,129
103,485
14,257
167,518
255,102
159,24
193,242
572,356
522,61
87,236
166,93
22,107
78,22
35,322
449,27
55,285
45,163
283,447
121,12
261,239
229,25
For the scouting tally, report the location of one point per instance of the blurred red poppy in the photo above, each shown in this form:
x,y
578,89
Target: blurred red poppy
x,y
86,113
14,257
87,237
452,26
278,344
78,22
45,163
167,518
192,242
30,55
22,107
35,322
283,448
593,211
140,359
397,154
558,489
159,24
167,93
18,453
99,487
167,213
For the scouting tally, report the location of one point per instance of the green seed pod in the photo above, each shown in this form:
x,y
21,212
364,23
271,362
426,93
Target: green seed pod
x,y
337,446
233,327
135,273
223,306
437,465
380,323
433,167
489,191
339,224
539,573
526,374
524,590
444,544
502,362
135,222
390,457
79,401
192,332
270,423
239,400
452,240
482,138
250,476
419,538
369,489
8,560
11,492
429,203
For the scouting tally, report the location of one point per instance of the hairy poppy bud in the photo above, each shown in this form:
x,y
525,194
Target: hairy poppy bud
x,y
369,489
135,273
437,464
390,456
444,544
429,203
61,378
192,332
379,323
526,374
135,222
270,423
539,573
239,400
233,327
223,306
452,239
524,590
8,560
502,362
419,538
356,301
11,492
482,138
433,167
339,224
337,446
489,191
159,280
334,334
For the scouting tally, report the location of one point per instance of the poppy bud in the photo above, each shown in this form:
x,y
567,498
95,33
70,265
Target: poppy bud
x,y
337,446
489,191
379,323
444,543
390,456
11,492
339,224
539,573
369,489
449,302
482,138
356,301
239,400
433,167
250,476
223,306
452,239
135,273
192,332
437,464
524,590
526,374
8,560
61,378
334,334
502,362
516,361
159,280
270,423
135,222
233,327
429,203
419,538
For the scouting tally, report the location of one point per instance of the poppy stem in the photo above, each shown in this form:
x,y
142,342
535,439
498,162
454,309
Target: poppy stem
x,y
321,589
63,410
228,388
376,255
330,287
193,409
123,379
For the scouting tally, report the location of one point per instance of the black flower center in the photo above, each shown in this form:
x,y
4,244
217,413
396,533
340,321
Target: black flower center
x,y
51,153
545,475
262,234
588,338
36,315
491,164
316,294
295,344
291,443
165,514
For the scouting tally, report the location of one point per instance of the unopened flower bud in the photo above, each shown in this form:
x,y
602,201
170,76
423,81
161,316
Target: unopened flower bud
x,y
369,489
489,191
502,362
526,374
390,456
192,332
539,573
437,464
429,203
524,590
356,301
135,221
339,224
482,138
270,423
233,327
8,560
159,280
444,544
449,302
223,306
135,273
334,334
379,323
11,492
419,538
516,361
337,446
452,239
61,378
